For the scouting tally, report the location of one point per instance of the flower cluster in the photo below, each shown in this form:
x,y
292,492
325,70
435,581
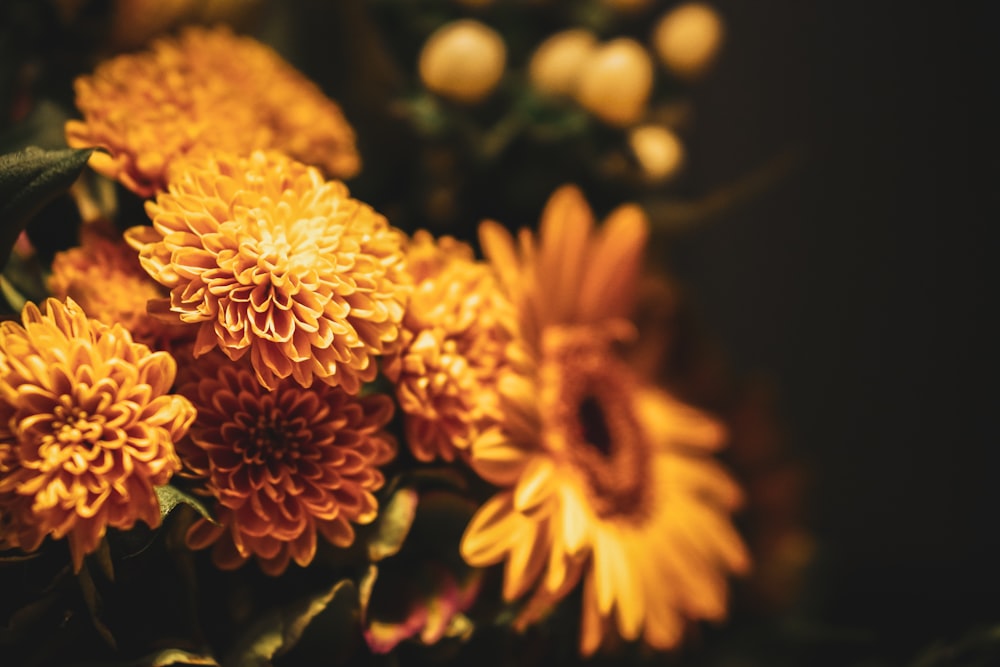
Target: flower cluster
x,y
316,365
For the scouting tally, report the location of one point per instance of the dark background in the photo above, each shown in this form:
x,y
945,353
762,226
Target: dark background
x,y
858,283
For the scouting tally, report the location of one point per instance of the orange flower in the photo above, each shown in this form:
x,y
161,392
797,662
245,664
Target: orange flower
x,y
105,278
207,89
455,333
603,477
282,464
266,257
87,428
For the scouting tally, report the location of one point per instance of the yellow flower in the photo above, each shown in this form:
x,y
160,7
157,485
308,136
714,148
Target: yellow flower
x,y
455,333
602,477
105,278
87,428
283,465
205,90
267,258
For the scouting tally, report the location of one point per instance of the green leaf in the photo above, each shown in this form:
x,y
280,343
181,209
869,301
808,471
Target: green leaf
x,y
393,524
170,497
280,629
29,180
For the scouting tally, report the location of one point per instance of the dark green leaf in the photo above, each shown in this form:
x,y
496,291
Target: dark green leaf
x,y
279,630
393,524
170,497
29,180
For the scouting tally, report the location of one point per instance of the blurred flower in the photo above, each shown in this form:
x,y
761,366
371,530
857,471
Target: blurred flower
x,y
206,90
105,278
657,149
134,22
688,37
455,333
266,257
556,63
87,428
463,61
282,465
615,82
603,477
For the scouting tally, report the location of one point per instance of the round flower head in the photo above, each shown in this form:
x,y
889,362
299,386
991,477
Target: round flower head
x,y
455,333
105,278
208,90
602,477
87,428
265,257
282,465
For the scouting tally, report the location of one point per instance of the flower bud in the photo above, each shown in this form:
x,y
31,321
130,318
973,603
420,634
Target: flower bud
x,y
615,82
556,63
463,61
687,38
658,151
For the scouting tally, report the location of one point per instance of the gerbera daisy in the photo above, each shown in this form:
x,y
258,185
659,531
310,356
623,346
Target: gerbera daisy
x,y
104,277
602,477
282,465
208,89
266,257
457,327
87,428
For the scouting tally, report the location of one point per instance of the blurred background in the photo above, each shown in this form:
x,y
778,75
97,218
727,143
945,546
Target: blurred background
x,y
825,240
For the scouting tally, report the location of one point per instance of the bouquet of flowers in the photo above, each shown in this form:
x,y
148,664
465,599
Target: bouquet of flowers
x,y
248,417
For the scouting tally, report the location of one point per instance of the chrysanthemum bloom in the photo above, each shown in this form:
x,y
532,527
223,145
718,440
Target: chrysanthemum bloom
x,y
265,257
205,90
87,428
456,330
603,478
105,278
282,465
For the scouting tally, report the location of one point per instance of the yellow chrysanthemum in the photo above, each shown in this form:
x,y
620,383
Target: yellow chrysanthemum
x,y
457,327
268,258
205,90
282,465
87,428
105,278
603,478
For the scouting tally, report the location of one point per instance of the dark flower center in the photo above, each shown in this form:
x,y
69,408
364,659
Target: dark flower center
x,y
594,414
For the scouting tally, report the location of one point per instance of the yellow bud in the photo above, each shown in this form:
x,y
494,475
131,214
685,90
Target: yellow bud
x,y
555,65
687,38
658,150
463,61
615,82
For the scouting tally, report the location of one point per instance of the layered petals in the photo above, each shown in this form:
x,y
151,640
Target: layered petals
x,y
268,260
87,428
284,466
205,90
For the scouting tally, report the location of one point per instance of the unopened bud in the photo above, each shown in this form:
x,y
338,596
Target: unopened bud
x,y
463,61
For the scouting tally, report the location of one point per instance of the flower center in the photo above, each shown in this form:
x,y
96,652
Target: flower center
x,y
588,407
73,426
271,438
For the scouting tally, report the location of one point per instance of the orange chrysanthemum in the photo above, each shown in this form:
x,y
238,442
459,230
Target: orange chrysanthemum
x,y
105,278
266,257
603,478
282,465
457,327
205,90
87,428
